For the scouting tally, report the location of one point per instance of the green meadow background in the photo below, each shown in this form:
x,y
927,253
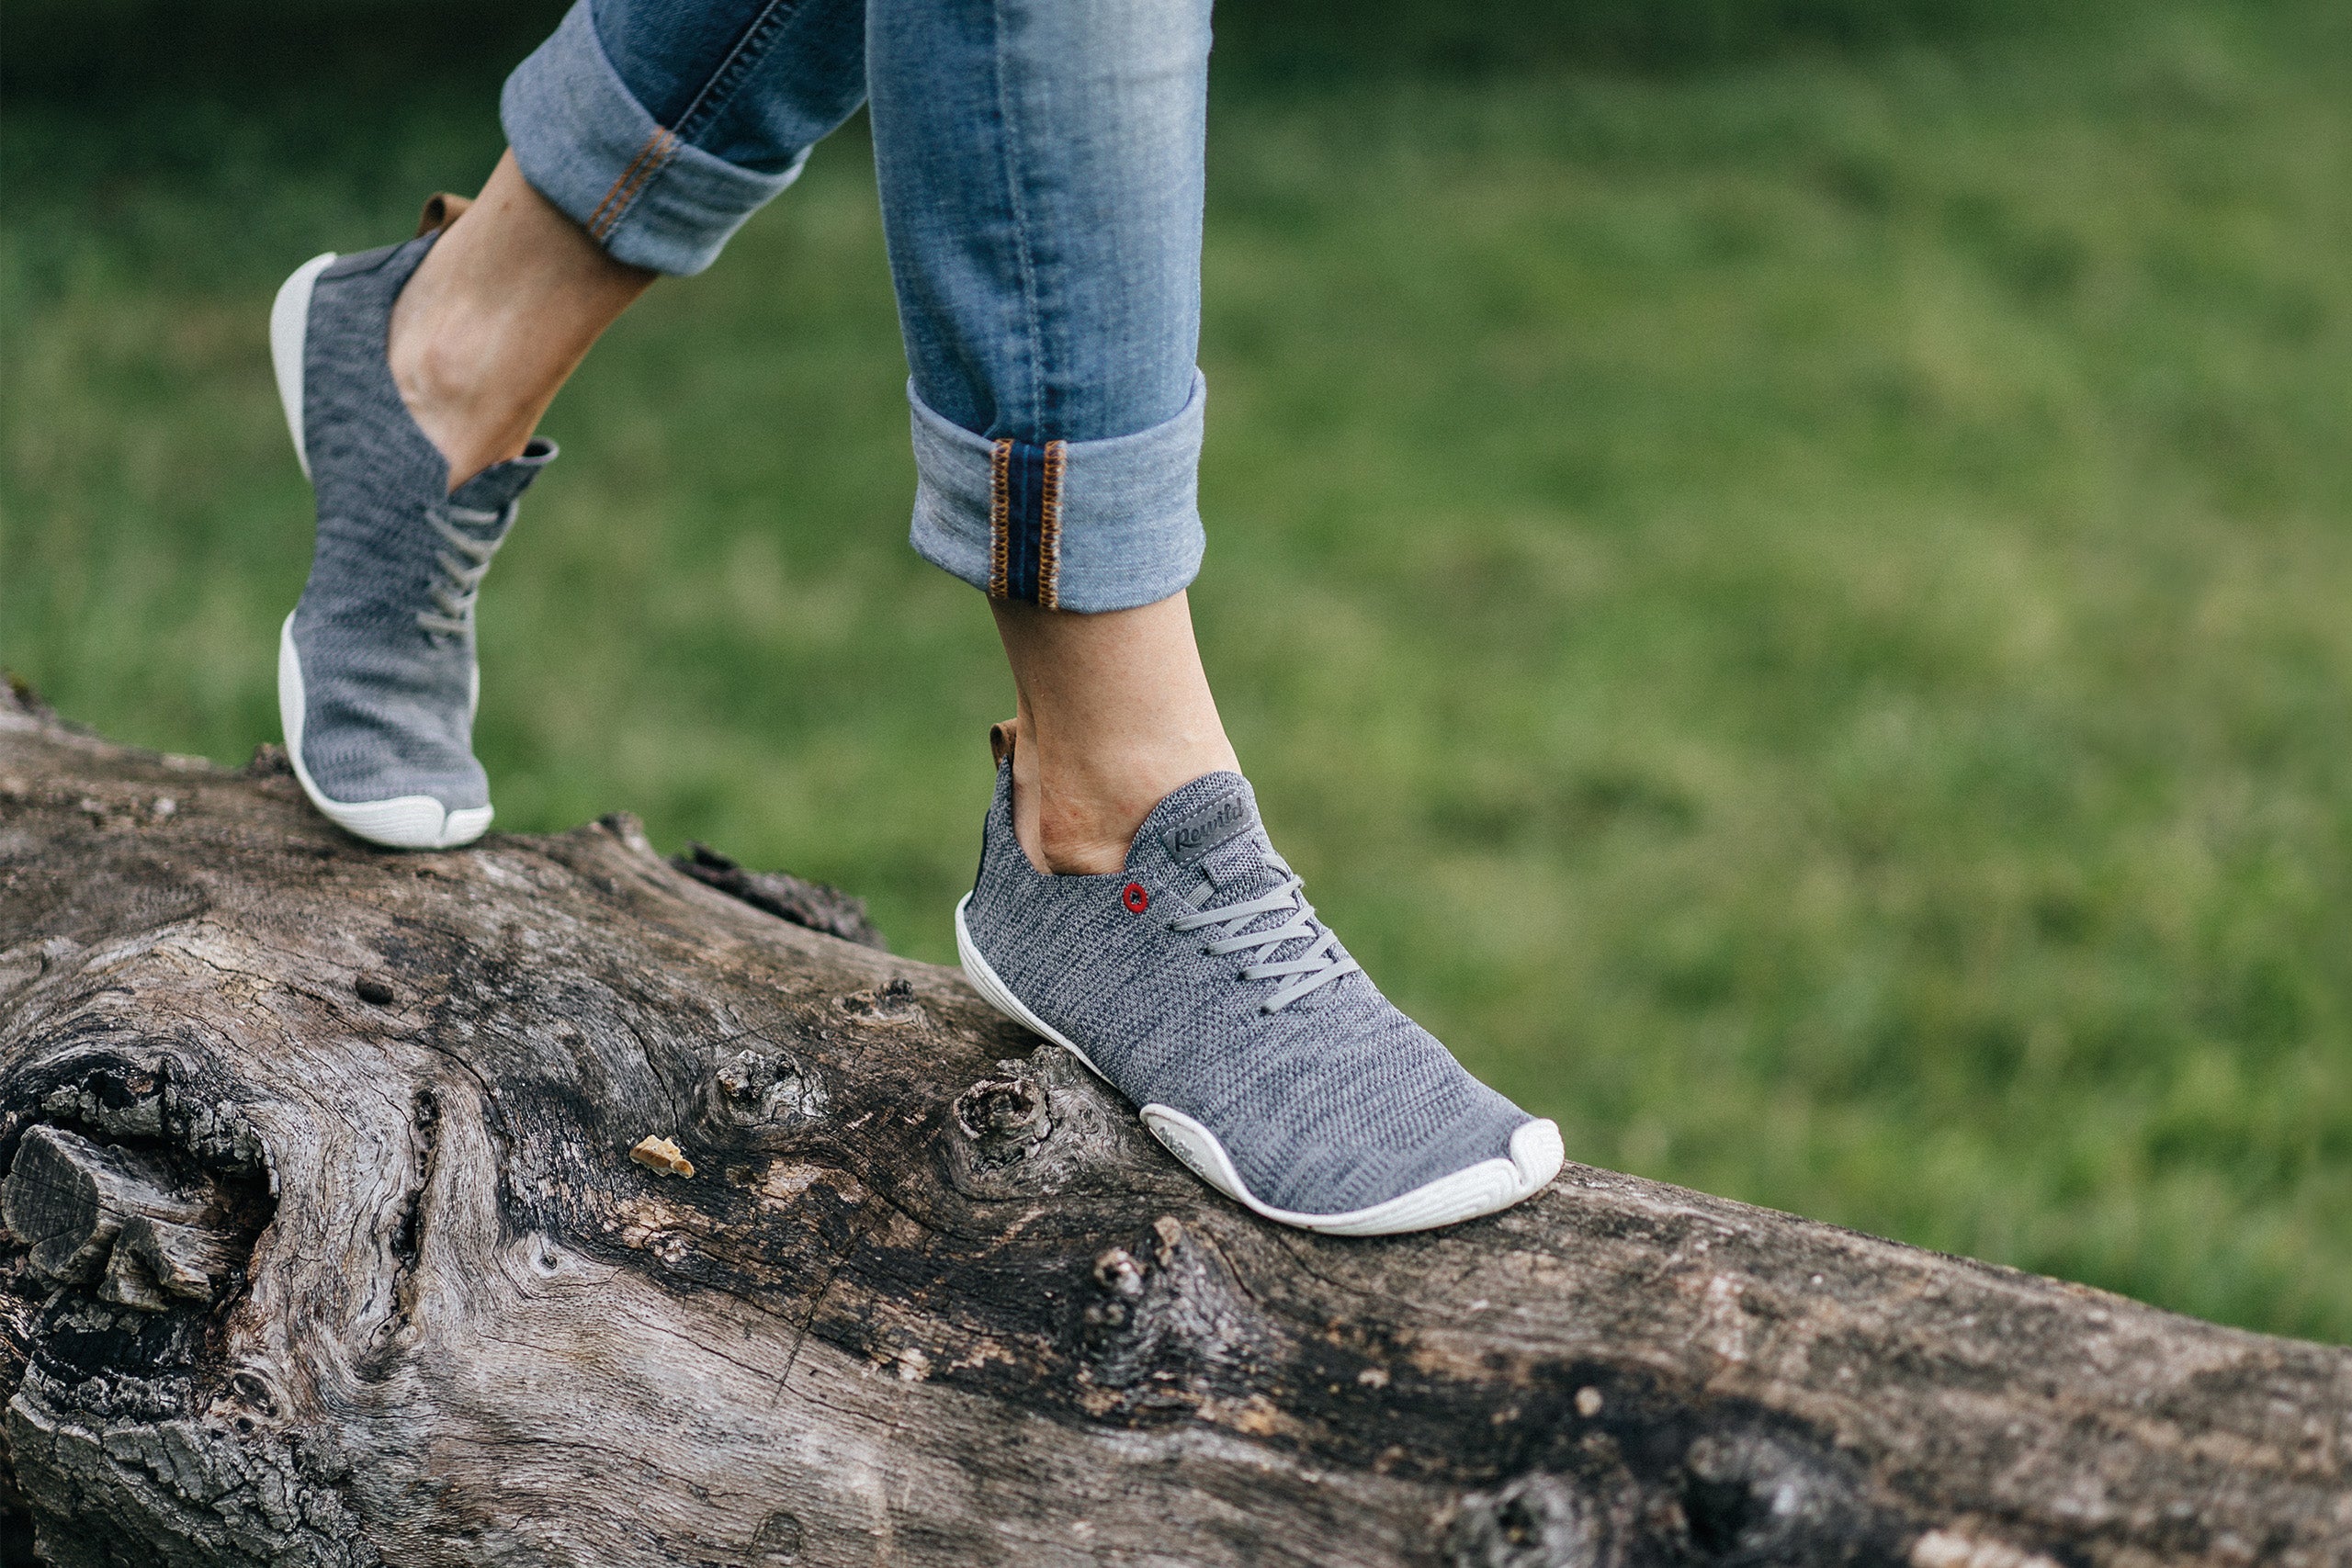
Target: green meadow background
x,y
1783,569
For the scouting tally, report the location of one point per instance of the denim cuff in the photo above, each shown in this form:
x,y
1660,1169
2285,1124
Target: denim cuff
x,y
584,143
1085,526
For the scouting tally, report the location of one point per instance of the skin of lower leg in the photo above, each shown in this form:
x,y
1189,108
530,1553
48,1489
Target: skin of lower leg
x,y
1115,712
497,317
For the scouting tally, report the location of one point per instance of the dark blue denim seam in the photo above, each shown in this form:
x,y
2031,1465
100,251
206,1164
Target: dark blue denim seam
x,y
1027,464
715,94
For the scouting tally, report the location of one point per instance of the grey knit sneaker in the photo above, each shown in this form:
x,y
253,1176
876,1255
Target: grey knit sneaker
x,y
376,675
1200,984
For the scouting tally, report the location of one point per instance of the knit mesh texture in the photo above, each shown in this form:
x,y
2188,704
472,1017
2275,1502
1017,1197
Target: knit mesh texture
x,y
388,705
1335,1103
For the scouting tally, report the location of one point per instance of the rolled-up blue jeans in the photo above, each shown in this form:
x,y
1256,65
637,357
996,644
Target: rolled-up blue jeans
x,y
1040,165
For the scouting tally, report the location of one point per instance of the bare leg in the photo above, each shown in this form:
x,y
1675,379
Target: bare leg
x,y
1115,712
497,317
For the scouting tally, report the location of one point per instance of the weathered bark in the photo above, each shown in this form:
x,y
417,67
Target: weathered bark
x,y
396,1293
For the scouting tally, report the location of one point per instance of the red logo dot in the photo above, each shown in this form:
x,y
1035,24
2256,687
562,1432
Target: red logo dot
x,y
1136,898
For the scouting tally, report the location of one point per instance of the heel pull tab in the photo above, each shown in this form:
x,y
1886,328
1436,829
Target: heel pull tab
x,y
1002,738
441,210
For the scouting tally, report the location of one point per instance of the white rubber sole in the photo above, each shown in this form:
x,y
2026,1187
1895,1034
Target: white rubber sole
x,y
1490,1185
403,822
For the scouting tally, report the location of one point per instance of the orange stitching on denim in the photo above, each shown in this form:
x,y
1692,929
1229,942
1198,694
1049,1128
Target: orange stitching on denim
x,y
999,518
650,157
659,149
596,224
1049,528
666,149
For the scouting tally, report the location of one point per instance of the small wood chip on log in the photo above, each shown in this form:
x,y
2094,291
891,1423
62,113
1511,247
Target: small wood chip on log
x,y
661,1155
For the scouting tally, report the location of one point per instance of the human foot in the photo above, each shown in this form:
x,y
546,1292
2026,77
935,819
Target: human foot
x,y
1198,982
377,679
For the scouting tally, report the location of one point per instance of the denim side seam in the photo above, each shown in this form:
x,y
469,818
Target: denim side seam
x,y
1025,521
583,140
648,162
1078,526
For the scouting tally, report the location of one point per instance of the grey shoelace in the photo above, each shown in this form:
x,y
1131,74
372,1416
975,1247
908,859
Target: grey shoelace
x,y
1318,964
455,597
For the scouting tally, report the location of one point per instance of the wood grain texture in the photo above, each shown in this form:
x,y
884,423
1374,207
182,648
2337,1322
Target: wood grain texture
x,y
930,1297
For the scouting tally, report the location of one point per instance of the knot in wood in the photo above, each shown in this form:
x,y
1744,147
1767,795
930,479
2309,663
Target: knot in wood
x,y
1535,1521
757,1086
269,761
251,1390
1003,1117
1754,1495
779,1539
1178,1330
1120,1276
1118,1272
890,1002
1035,1126
247,1403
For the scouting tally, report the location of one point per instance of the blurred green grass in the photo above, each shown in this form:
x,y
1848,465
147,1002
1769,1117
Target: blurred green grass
x,y
1790,591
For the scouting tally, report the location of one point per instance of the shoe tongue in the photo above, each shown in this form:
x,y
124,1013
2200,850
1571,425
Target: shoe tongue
x,y
493,489
1211,827
1243,868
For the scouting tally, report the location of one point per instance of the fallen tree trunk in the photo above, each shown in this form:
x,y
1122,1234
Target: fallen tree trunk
x,y
327,1247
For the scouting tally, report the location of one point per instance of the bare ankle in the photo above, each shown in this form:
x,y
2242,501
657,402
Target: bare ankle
x,y
1078,821
435,354
1084,850
496,317
1062,841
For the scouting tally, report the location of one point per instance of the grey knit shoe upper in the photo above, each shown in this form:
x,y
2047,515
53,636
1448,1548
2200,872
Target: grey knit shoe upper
x,y
1199,982
378,678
